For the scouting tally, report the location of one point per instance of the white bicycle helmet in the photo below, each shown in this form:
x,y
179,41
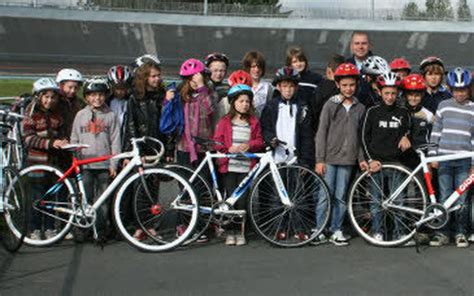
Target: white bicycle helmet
x,y
69,75
388,79
375,65
147,58
44,84
96,84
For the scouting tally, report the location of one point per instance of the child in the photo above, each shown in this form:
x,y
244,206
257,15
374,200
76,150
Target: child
x,y
401,67
414,87
326,89
198,113
42,135
119,78
143,116
70,81
384,137
309,81
217,63
97,126
240,132
368,91
432,69
338,146
453,132
253,62
236,77
288,118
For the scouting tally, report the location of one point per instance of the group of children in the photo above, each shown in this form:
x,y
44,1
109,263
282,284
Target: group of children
x,y
362,114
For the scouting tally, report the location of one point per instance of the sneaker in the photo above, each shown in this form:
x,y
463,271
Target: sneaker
x,y
202,239
36,235
301,236
50,233
471,238
338,239
439,240
69,236
321,239
139,235
461,241
240,240
281,235
409,243
230,240
422,238
378,237
180,229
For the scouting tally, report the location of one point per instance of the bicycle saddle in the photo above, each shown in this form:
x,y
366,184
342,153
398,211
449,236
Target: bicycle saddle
x,y
74,147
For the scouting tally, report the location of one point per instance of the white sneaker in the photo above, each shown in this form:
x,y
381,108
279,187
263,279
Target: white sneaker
x,y
338,239
461,241
240,240
50,233
69,236
471,238
35,235
378,236
230,240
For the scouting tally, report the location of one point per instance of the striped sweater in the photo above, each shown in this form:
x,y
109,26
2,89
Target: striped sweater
x,y
453,129
40,130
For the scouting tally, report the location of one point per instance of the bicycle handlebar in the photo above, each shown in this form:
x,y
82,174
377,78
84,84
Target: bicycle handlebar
x,y
155,159
11,114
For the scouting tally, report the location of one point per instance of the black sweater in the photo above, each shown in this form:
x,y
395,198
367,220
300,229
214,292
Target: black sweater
x,y
383,128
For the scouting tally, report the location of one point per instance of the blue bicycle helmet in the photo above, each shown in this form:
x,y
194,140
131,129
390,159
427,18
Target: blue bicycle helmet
x,y
237,90
459,78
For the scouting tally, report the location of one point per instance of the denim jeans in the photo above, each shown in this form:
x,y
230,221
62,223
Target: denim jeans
x,y
382,185
451,174
95,183
337,178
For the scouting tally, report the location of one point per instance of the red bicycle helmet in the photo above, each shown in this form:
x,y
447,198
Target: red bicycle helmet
x,y
119,75
400,64
240,77
414,82
346,70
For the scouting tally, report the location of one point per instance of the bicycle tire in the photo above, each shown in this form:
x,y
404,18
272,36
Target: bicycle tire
x,y
206,198
289,226
35,179
15,210
155,211
363,206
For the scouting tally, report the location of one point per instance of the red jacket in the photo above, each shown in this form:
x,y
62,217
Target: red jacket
x,y
223,134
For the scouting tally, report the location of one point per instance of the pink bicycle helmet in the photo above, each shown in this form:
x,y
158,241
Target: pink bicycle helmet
x,y
191,67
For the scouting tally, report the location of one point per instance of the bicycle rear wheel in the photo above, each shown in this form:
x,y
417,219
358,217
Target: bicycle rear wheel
x,y
52,205
14,210
161,200
380,224
290,226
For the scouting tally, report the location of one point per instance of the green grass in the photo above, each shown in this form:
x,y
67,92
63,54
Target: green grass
x,y
14,87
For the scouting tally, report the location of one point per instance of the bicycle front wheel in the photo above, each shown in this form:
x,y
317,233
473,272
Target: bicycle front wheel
x,y
165,210
14,210
299,223
379,222
52,205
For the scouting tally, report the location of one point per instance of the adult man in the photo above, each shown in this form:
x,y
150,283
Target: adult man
x,y
360,48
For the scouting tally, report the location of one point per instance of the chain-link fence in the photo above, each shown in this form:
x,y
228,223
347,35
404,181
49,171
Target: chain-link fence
x,y
360,9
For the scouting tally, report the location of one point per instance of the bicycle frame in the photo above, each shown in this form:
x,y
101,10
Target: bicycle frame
x,y
136,161
266,159
427,176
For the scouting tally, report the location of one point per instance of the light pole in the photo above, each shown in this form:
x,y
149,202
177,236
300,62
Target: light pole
x,y
205,7
372,12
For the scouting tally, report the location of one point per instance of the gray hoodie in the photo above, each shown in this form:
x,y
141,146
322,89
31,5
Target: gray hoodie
x,y
338,137
99,129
